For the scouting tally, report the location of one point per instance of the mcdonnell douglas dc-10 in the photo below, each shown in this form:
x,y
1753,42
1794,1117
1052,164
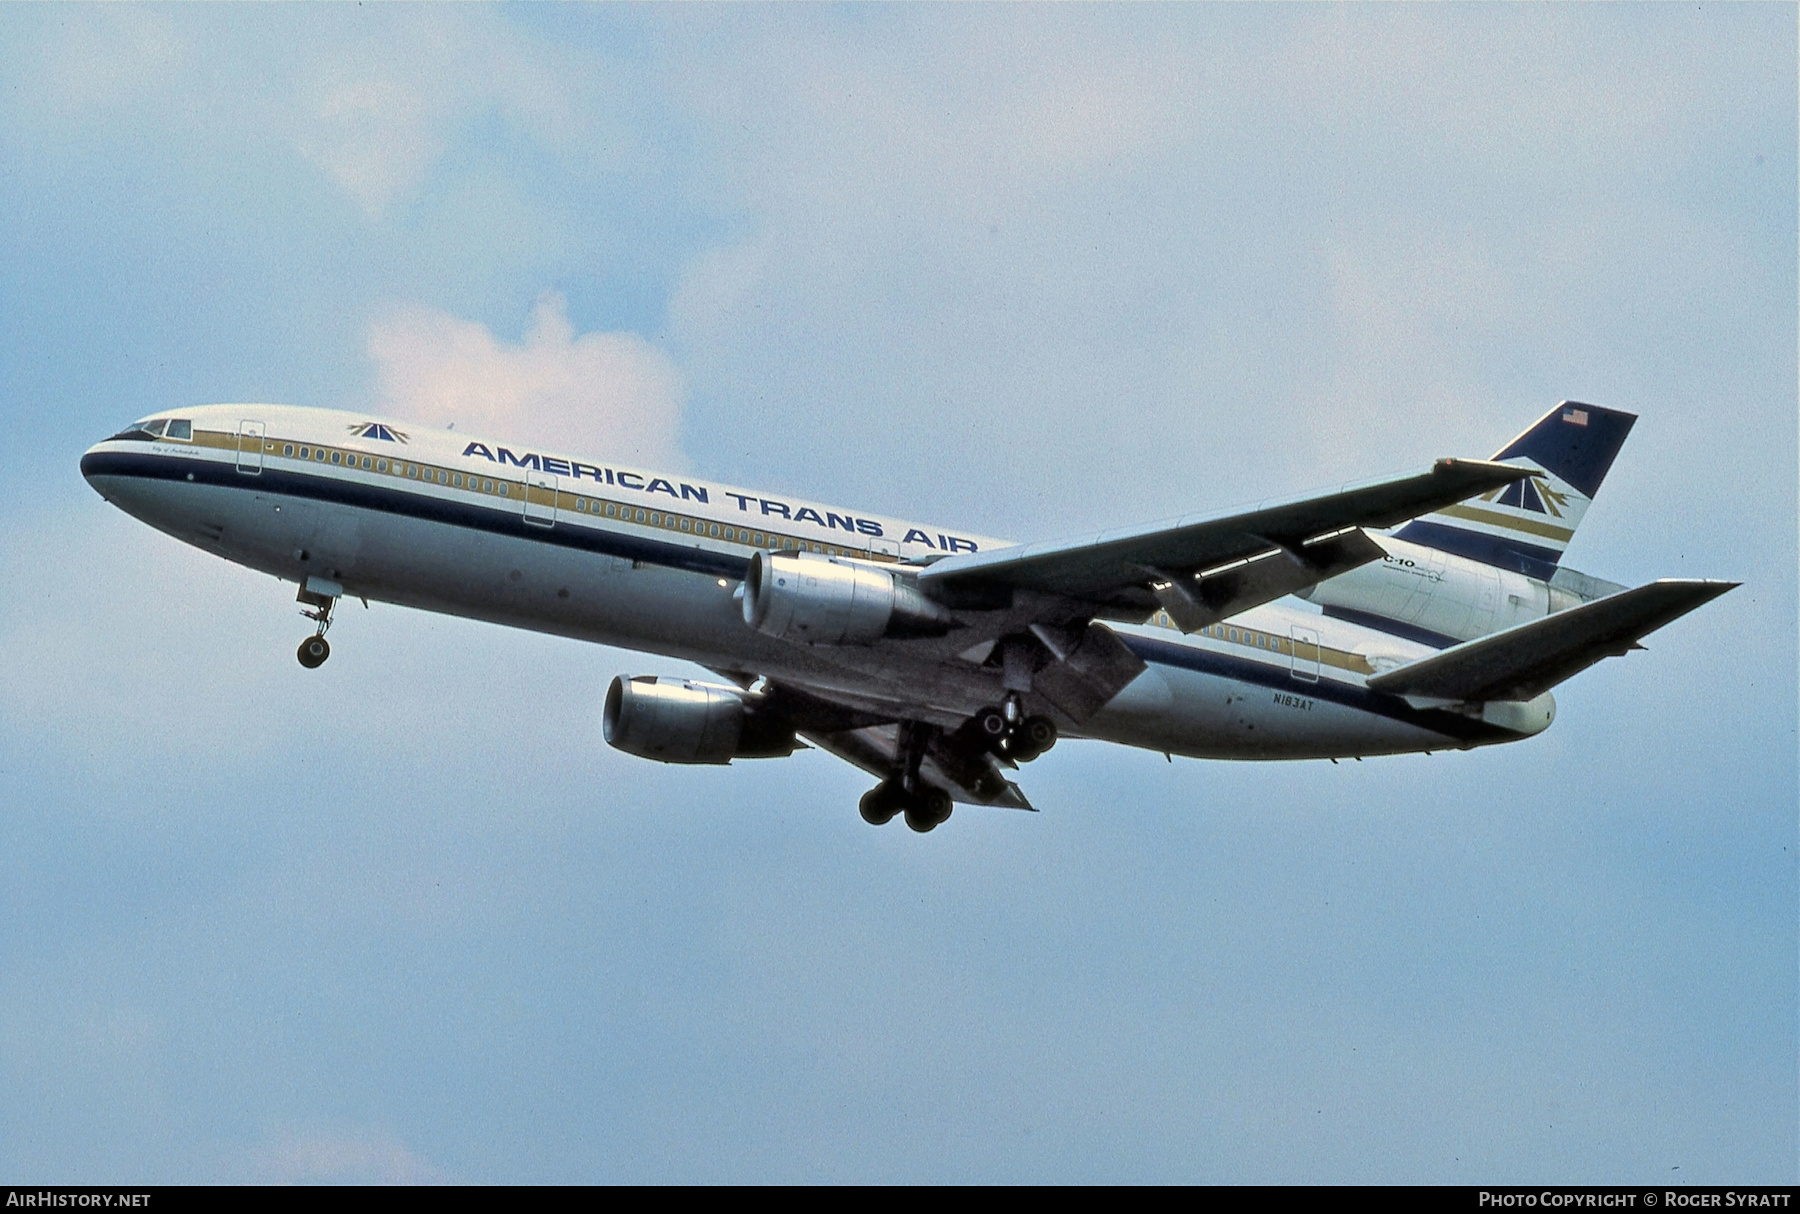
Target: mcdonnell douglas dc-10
x,y
939,660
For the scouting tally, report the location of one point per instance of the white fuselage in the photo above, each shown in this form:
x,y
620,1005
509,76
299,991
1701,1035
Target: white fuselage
x,y
646,561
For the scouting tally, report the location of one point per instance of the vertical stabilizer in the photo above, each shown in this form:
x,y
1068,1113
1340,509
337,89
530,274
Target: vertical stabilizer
x,y
1526,526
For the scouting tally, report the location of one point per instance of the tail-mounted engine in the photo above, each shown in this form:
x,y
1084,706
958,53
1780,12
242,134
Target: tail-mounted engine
x,y
680,721
824,601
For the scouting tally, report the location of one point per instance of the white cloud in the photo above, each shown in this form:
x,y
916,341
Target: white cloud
x,y
360,1156
374,137
608,394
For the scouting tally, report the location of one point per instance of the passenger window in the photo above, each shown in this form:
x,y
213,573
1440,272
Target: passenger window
x,y
456,479
381,465
337,457
714,530
306,453
503,490
686,526
288,449
365,461
487,486
183,429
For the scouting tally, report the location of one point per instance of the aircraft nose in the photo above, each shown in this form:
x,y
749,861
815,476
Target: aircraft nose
x,y
102,458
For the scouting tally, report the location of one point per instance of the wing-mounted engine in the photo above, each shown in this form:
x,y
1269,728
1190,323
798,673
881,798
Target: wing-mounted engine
x,y
822,600
680,721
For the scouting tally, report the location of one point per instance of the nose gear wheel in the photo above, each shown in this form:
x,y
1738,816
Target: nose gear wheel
x,y
313,652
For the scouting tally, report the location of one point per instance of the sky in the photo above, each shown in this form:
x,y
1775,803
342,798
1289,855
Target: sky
x,y
1026,270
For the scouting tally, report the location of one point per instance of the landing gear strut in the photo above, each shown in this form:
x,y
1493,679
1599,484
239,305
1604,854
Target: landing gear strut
x,y
315,649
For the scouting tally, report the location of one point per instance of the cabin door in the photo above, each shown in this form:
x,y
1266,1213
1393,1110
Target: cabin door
x,y
540,498
250,448
1306,653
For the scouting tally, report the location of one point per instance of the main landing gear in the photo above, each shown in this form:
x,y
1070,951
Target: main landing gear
x,y
1009,734
925,810
315,648
925,805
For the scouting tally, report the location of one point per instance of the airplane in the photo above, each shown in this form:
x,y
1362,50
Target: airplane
x,y
1418,612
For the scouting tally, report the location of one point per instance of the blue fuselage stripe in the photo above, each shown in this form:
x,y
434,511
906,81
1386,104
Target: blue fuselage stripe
x,y
1520,557
567,533
1397,628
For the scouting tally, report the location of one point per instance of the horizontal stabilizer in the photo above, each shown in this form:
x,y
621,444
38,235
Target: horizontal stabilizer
x,y
1524,662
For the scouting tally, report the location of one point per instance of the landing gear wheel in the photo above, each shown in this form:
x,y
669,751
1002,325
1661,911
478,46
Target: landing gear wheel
x,y
990,725
313,652
879,805
1030,738
1038,734
929,810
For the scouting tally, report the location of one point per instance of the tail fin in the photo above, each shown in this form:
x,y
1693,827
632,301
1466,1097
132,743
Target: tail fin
x,y
1526,526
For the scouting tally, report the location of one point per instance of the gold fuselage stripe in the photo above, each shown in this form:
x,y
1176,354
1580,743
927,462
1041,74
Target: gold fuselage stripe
x,y
571,507
601,509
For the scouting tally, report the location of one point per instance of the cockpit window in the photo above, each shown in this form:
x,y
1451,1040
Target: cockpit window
x,y
182,429
144,431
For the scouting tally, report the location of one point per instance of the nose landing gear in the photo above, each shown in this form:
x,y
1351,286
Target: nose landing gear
x,y
321,596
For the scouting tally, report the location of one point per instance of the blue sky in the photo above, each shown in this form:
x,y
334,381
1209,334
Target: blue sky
x,y
1023,269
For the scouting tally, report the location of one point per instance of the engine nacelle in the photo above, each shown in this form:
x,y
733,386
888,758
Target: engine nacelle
x,y
1438,592
821,600
680,721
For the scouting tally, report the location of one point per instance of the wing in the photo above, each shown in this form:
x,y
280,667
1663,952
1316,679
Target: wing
x,y
1522,663
866,733
1204,568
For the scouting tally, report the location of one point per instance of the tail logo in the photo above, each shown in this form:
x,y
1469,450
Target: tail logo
x,y
1534,493
1575,417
